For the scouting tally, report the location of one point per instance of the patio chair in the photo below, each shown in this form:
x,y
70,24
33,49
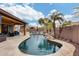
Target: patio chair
x,y
11,34
16,33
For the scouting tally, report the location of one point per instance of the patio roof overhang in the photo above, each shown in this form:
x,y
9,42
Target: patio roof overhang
x,y
10,19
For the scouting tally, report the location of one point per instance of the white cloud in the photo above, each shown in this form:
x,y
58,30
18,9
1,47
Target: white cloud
x,y
34,24
24,12
68,17
57,23
52,11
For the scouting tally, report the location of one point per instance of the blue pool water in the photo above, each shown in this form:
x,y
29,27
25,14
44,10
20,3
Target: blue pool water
x,y
38,44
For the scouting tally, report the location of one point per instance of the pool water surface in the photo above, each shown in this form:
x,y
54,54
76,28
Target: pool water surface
x,y
38,44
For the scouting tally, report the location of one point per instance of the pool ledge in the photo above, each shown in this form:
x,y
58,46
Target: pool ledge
x,y
67,49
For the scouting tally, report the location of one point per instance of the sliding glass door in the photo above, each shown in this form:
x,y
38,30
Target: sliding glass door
x,y
4,29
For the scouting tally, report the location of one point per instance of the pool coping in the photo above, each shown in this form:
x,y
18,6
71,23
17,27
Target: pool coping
x,y
67,49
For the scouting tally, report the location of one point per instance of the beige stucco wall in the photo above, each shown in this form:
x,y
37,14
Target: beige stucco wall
x,y
17,28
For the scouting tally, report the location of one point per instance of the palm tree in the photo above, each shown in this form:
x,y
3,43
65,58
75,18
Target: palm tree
x,y
56,16
41,21
46,22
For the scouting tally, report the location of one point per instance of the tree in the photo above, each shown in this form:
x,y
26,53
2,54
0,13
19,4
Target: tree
x,y
41,21
56,16
46,23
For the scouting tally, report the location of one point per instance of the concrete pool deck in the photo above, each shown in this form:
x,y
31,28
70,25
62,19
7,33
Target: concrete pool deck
x,y
10,47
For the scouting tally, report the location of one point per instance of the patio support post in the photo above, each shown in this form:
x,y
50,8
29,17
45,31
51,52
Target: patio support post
x,y
24,29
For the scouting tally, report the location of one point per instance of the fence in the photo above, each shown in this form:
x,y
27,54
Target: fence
x,y
69,33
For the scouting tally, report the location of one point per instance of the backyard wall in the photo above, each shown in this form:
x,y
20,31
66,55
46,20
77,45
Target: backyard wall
x,y
70,33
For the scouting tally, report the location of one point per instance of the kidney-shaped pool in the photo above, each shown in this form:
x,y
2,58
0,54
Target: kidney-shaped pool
x,y
38,44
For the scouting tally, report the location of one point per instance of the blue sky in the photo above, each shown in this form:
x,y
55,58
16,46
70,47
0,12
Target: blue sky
x,y
32,12
65,8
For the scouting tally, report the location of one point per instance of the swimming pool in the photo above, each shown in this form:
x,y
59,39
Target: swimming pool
x,y
38,44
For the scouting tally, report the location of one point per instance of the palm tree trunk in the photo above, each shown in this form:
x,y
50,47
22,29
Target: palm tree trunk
x,y
54,28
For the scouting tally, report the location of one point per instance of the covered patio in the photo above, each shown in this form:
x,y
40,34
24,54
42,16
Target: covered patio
x,y
8,23
9,19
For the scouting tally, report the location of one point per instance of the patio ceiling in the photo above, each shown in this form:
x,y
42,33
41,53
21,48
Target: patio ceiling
x,y
9,21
